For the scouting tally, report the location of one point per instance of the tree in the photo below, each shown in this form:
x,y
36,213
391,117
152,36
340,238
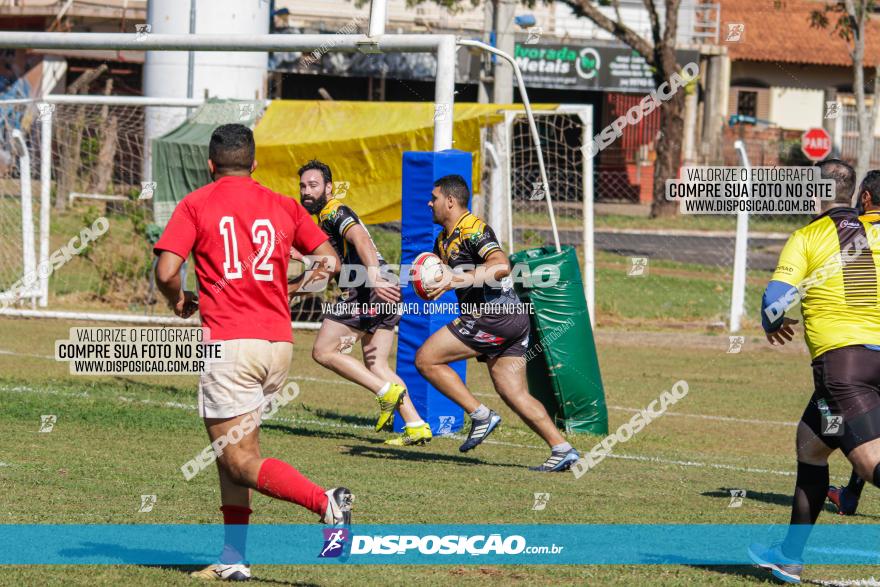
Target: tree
x,y
69,139
659,53
851,23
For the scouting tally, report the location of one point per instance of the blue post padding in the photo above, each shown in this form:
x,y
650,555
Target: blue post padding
x,y
417,235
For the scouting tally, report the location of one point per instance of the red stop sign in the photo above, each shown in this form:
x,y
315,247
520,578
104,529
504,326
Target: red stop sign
x,y
816,144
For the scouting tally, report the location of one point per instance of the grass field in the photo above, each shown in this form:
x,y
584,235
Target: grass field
x,y
118,438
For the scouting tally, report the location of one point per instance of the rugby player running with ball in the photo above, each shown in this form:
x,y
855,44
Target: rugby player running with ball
x,y
495,328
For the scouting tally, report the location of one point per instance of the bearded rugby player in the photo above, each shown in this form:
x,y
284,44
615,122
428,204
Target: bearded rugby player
x,y
363,314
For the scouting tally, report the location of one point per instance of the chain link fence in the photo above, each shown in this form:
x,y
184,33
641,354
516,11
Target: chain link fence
x,y
98,160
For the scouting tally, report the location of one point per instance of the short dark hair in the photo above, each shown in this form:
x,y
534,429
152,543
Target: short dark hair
x,y
232,148
871,184
844,177
455,186
318,166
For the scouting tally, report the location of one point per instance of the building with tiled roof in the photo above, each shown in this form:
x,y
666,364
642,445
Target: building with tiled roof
x,y
785,70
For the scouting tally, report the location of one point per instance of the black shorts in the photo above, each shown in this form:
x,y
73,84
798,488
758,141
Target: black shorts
x,y
364,311
845,408
494,335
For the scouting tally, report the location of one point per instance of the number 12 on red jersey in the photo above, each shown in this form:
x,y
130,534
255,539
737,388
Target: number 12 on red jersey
x,y
263,234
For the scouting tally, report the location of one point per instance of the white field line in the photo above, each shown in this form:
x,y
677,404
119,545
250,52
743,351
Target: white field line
x,y
296,420
707,417
683,415
15,354
872,582
341,381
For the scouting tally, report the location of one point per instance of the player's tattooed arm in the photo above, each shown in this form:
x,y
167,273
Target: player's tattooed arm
x,y
182,303
360,239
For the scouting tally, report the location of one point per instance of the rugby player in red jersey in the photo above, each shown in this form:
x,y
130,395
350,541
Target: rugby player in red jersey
x,y
240,234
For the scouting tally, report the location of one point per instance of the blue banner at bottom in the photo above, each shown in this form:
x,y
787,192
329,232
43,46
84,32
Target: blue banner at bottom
x,y
692,544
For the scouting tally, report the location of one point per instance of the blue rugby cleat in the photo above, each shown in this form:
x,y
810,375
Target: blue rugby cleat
x,y
480,429
780,566
558,461
845,502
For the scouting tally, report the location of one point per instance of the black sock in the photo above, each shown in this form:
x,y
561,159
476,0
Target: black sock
x,y
810,491
855,486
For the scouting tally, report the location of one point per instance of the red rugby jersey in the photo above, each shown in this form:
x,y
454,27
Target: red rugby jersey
x,y
240,234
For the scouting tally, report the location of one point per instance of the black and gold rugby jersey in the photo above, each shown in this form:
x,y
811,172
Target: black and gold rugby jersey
x,y
335,219
471,242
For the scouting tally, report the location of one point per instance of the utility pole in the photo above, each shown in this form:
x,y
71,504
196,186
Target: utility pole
x,y
486,72
502,90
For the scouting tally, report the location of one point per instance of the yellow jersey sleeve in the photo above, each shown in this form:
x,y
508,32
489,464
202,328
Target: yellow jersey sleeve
x,y
793,266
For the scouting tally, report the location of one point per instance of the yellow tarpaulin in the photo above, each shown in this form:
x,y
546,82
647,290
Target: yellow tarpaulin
x,y
363,143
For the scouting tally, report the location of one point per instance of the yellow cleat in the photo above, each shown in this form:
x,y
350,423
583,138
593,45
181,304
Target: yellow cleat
x,y
388,403
412,436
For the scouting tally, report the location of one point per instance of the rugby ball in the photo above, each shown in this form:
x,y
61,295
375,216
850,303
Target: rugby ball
x,y
425,270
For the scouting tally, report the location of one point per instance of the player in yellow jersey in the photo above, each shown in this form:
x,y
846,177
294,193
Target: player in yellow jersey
x,y
831,266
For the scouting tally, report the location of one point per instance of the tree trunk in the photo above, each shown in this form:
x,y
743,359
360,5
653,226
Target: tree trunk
x,y
866,132
69,138
107,135
103,173
70,156
668,161
669,145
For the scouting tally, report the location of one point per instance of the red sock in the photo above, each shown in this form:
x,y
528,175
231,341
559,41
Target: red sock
x,y
235,520
236,514
279,480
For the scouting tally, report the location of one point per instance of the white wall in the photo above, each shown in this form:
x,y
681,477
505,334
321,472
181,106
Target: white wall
x,y
797,91
797,109
222,74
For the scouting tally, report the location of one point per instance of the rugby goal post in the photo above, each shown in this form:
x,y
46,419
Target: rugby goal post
x,y
19,279
442,45
516,206
105,164
740,257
